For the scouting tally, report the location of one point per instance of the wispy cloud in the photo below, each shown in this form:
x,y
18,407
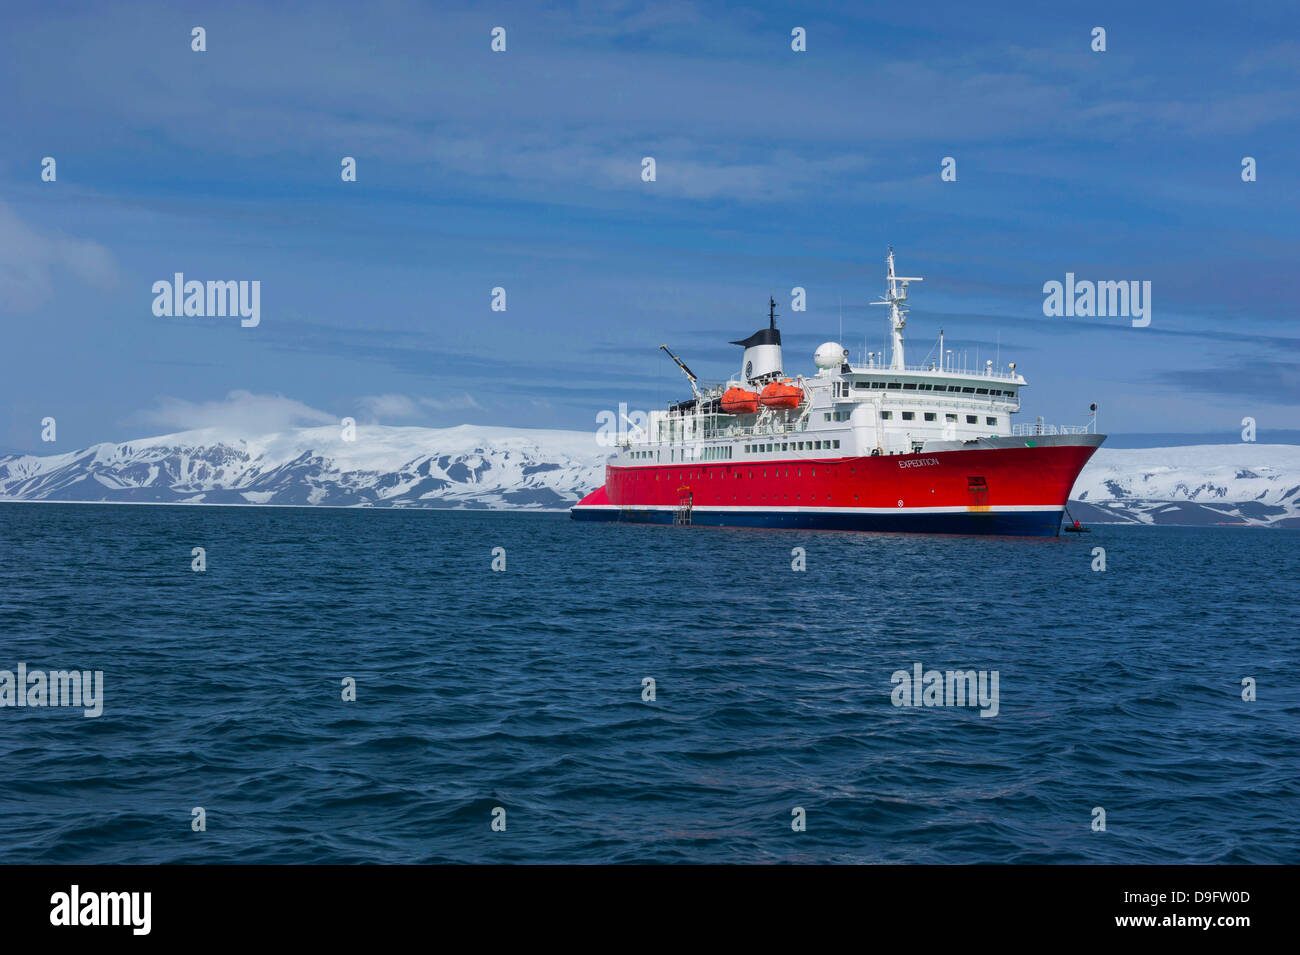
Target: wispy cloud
x,y
31,259
241,412
1256,379
392,407
465,400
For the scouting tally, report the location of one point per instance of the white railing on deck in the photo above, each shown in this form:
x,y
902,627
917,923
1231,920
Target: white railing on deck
x,y
950,372
1039,428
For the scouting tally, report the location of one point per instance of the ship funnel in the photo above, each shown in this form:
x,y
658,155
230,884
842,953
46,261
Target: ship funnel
x,y
762,358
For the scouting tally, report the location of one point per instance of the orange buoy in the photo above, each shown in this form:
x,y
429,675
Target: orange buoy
x,y
781,394
740,401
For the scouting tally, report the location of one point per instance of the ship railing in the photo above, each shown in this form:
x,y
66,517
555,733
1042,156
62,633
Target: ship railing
x,y
934,369
700,432
1022,430
940,402
741,431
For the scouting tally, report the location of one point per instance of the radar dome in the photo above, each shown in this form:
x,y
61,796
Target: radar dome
x,y
830,355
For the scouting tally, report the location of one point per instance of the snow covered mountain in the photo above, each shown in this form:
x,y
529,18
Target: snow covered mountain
x,y
482,467
1203,484
465,467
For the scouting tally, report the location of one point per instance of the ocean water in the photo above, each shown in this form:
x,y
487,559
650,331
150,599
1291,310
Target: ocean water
x,y
522,689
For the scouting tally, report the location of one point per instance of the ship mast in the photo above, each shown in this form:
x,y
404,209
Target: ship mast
x,y
895,298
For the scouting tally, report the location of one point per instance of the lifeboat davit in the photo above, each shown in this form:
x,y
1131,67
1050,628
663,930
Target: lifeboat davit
x,y
781,394
740,401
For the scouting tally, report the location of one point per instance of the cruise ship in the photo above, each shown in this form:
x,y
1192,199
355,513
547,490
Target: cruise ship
x,y
872,446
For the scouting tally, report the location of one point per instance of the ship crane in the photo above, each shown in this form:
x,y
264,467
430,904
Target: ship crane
x,y
895,298
690,375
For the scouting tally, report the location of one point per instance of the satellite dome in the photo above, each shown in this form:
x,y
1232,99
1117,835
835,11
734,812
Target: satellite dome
x,y
830,355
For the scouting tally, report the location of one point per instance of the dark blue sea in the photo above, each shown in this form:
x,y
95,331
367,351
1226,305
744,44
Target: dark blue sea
x,y
523,689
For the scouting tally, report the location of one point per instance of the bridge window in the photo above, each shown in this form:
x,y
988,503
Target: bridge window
x,y
972,419
886,415
992,421
929,416
909,415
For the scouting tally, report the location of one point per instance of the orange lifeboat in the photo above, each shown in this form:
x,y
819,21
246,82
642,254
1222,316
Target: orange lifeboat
x,y
740,401
781,394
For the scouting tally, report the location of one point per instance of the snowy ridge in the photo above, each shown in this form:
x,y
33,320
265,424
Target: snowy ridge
x,y
507,468
462,467
1256,484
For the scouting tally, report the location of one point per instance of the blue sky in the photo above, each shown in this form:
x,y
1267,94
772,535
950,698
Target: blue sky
x,y
522,170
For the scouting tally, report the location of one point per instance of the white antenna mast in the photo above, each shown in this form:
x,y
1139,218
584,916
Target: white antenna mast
x,y
894,298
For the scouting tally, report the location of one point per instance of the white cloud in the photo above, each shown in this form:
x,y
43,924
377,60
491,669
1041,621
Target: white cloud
x,y
389,406
463,400
401,406
248,414
28,259
683,168
240,411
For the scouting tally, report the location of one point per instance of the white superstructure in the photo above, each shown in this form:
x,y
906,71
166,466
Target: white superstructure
x,y
844,409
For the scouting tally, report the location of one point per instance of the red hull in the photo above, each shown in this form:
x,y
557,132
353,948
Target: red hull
x,y
970,480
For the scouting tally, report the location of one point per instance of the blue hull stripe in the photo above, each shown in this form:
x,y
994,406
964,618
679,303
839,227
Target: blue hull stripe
x,y
1015,524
